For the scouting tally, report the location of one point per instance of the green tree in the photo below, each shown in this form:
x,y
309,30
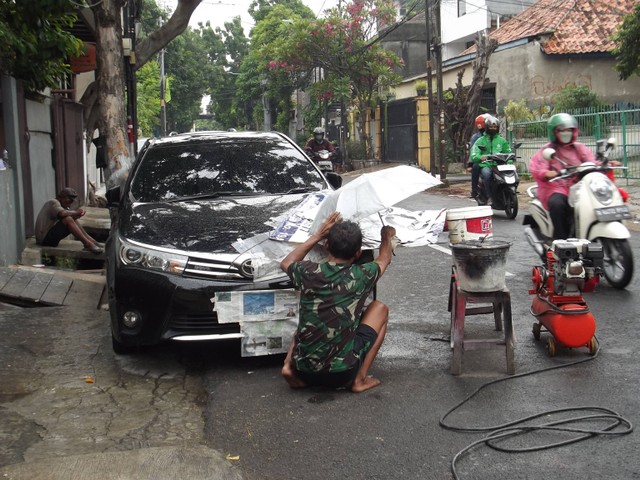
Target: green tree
x,y
575,96
344,47
257,82
148,104
34,45
627,39
232,46
191,71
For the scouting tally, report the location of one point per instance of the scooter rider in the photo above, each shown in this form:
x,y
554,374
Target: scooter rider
x,y
475,168
318,143
562,129
489,143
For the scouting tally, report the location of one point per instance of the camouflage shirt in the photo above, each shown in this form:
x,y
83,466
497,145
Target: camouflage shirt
x,y
332,297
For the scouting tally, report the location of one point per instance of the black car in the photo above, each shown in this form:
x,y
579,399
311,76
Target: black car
x,y
187,199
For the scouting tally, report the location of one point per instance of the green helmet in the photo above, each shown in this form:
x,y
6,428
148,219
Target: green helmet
x,y
561,120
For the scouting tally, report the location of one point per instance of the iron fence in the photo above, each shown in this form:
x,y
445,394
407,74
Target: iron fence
x,y
623,125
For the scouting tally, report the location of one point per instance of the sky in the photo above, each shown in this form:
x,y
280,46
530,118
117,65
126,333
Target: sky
x,y
220,11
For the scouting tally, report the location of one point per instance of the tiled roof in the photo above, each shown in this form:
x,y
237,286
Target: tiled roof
x,y
572,26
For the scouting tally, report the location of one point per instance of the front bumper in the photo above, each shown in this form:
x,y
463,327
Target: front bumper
x,y
171,306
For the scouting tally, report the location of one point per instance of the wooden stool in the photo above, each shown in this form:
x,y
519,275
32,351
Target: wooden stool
x,y
499,303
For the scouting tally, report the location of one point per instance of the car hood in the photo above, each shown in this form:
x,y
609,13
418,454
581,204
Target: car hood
x,y
209,226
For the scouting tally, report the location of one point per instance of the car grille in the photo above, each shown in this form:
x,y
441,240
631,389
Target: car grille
x,y
212,269
199,324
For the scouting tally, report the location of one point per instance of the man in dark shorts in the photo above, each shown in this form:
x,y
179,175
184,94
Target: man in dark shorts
x,y
56,221
337,339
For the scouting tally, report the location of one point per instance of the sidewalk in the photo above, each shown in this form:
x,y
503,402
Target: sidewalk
x,y
70,408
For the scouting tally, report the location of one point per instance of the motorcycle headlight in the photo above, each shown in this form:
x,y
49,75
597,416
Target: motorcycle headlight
x,y
602,188
135,255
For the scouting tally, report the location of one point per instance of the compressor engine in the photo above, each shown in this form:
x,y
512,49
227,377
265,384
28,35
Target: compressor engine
x,y
574,266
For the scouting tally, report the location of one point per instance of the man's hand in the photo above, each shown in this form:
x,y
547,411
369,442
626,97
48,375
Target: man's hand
x,y
301,250
329,222
550,174
386,247
387,232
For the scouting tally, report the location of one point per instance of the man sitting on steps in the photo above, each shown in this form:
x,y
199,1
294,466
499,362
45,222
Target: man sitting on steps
x,y
56,220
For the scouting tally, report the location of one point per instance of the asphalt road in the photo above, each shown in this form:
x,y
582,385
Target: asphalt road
x,y
64,392
393,431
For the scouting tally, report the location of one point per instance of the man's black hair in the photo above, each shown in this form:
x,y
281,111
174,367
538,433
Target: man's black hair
x,y
344,240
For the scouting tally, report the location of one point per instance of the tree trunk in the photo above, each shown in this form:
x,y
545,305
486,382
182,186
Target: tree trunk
x,y
110,80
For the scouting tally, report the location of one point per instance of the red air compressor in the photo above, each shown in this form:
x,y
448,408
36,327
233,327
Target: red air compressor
x,y
573,266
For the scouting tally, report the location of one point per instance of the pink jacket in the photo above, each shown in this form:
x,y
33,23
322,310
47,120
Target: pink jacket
x,y
573,154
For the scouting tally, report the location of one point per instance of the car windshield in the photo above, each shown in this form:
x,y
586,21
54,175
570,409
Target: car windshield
x,y
199,168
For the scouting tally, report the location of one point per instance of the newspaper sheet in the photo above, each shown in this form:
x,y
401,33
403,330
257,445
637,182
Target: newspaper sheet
x,y
267,318
295,226
268,337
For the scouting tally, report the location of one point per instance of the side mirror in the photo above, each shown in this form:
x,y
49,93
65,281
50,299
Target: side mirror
x,y
517,145
548,153
482,148
334,179
113,197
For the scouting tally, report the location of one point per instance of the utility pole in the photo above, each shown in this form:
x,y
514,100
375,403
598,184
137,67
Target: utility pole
x,y
163,85
432,152
441,137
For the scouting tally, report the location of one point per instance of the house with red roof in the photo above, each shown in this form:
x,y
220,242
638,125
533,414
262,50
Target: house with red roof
x,y
549,45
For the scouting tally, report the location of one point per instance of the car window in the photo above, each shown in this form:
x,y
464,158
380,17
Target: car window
x,y
227,166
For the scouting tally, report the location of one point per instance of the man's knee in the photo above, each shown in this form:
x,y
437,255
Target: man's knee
x,y
376,315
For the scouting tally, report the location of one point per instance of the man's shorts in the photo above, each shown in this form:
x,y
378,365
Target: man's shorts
x,y
55,234
365,338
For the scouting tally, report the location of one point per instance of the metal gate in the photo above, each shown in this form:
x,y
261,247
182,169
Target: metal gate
x,y
401,133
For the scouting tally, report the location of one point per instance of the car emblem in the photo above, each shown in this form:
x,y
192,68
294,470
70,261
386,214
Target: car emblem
x,y
246,270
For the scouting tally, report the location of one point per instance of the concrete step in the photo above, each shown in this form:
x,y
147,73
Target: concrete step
x,y
70,249
96,222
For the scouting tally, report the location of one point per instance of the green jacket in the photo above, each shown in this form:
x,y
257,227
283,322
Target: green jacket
x,y
496,145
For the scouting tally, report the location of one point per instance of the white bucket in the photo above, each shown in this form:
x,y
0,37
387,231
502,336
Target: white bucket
x,y
469,223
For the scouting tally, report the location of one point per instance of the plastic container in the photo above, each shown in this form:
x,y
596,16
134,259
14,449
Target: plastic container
x,y
481,265
469,223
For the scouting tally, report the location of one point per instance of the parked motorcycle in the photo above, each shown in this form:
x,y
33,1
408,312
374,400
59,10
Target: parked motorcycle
x,y
504,184
598,214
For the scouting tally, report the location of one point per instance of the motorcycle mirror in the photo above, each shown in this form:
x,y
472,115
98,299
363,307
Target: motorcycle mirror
x,y
517,145
548,153
482,148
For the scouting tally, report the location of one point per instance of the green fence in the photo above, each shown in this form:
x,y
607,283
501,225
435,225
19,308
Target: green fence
x,y
623,125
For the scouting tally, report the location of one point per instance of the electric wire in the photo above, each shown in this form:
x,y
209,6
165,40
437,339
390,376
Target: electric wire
x,y
513,428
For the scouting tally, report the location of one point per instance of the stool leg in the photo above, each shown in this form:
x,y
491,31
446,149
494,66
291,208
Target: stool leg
x,y
497,313
458,333
509,338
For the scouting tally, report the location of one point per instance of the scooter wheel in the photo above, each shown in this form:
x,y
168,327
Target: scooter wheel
x,y
592,346
552,347
536,330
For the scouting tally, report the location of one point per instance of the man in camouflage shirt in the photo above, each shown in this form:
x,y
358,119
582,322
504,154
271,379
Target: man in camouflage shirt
x,y
337,339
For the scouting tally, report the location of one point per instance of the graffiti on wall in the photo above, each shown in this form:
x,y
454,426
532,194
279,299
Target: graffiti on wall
x,y
547,87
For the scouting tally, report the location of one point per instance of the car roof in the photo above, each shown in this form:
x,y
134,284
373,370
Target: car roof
x,y
217,135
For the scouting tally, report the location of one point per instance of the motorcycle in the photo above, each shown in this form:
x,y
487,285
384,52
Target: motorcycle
x,y
598,214
504,184
323,159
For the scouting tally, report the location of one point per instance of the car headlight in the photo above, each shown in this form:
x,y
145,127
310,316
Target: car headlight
x,y
134,255
602,188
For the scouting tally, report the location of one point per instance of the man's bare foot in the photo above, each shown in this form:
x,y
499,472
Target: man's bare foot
x,y
291,378
365,384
